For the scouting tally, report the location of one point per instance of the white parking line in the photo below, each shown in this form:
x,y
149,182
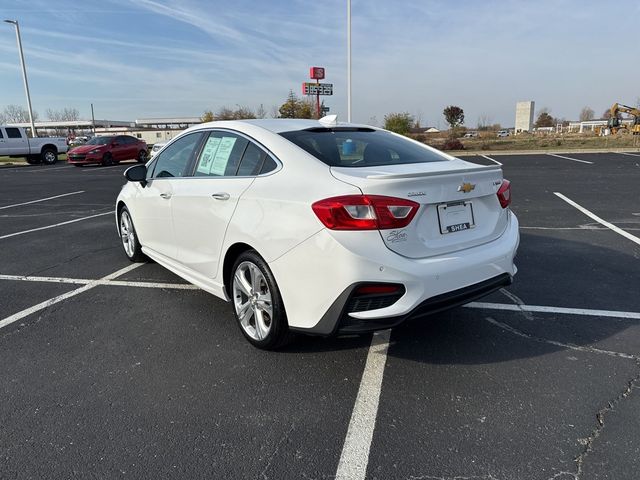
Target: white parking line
x,y
589,214
56,225
42,199
45,169
355,451
491,159
84,281
561,310
52,301
569,158
630,154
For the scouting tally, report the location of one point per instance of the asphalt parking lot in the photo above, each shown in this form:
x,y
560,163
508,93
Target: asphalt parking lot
x,y
116,370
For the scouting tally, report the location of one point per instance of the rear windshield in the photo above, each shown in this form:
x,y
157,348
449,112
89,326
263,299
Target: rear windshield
x,y
361,147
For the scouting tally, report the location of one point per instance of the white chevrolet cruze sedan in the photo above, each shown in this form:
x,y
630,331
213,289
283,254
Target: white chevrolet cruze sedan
x,y
318,226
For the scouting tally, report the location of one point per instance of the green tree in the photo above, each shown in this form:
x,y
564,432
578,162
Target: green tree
x,y
398,122
544,119
296,108
454,116
207,116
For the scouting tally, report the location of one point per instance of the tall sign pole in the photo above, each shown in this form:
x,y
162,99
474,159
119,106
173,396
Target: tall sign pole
x,y
348,60
24,76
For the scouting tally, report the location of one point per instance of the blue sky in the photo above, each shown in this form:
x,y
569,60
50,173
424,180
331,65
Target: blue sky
x,y
145,58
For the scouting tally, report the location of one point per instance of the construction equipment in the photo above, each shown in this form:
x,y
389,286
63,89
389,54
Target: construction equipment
x,y
616,125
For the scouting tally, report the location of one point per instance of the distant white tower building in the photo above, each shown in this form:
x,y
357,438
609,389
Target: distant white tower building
x,y
524,116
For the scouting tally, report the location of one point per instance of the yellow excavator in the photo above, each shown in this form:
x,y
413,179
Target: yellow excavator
x,y
615,124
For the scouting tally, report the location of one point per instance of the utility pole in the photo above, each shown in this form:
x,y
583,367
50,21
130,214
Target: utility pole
x,y
24,75
348,60
93,121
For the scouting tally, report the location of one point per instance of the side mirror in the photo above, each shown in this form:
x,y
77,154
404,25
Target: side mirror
x,y
115,144
137,173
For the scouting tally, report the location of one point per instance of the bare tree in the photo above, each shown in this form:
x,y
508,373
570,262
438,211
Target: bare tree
x,y
587,114
64,115
484,121
16,114
261,112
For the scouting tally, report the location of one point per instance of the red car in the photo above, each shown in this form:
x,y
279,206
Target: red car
x,y
108,151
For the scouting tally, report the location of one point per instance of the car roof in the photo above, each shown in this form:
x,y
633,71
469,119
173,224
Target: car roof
x,y
276,125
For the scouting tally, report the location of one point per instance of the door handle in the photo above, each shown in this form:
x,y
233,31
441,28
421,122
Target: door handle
x,y
166,196
221,196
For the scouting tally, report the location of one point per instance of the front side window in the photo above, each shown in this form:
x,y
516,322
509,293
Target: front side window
x,y
13,132
360,147
174,160
100,141
220,155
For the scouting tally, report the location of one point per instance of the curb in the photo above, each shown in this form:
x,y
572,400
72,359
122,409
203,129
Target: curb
x,y
544,152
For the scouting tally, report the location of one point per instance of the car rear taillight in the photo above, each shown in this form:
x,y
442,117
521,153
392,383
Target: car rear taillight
x,y
365,212
504,194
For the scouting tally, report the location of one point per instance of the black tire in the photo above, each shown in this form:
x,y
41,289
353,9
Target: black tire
x,y
278,328
129,237
107,160
142,156
49,156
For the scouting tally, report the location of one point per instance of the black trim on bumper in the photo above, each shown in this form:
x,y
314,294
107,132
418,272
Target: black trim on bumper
x,y
349,325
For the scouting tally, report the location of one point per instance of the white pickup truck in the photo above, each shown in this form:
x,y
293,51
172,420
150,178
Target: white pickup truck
x,y
15,143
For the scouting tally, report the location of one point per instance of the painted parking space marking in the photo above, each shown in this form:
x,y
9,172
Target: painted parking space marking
x,y
630,154
549,309
46,170
491,159
85,281
41,200
55,225
52,301
357,444
569,158
592,215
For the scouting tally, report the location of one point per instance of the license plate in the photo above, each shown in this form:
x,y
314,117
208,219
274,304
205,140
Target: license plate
x,y
455,217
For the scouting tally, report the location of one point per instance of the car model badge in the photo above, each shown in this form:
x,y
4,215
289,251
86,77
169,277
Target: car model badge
x,y
466,187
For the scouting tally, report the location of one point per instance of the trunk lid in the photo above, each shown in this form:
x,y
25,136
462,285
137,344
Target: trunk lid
x,y
458,204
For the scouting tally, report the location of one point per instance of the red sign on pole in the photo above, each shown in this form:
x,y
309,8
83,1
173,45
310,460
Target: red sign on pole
x,y
316,73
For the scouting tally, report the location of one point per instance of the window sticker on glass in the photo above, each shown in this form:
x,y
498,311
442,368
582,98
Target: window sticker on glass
x,y
222,155
208,153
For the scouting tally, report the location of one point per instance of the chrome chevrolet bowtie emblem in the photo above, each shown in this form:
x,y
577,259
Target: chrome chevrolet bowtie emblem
x,y
466,187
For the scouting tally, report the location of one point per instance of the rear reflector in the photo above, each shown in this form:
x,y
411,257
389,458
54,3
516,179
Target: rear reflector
x,y
365,212
378,289
504,194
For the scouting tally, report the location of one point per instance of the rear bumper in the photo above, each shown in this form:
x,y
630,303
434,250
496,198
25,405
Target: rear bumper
x,y
331,270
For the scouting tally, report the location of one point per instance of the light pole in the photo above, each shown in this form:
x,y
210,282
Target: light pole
x,y
24,75
348,60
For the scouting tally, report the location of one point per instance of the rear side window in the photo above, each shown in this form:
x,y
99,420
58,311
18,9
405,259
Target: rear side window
x,y
360,147
251,161
1,134
174,160
220,155
13,132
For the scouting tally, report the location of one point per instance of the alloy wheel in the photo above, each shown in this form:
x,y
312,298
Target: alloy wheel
x,y
127,234
252,300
